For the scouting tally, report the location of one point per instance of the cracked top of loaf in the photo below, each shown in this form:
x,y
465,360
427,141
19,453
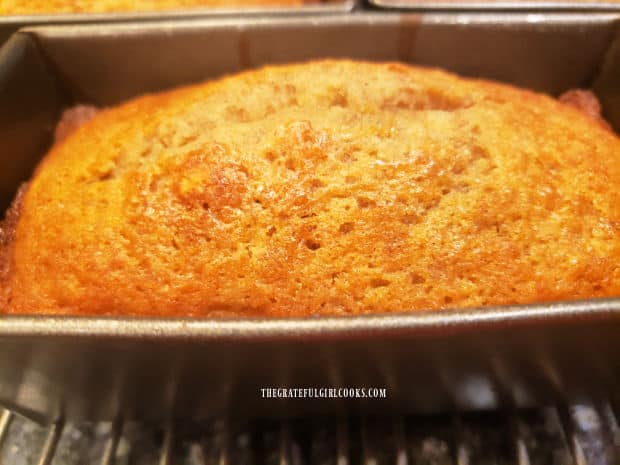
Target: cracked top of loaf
x,y
330,187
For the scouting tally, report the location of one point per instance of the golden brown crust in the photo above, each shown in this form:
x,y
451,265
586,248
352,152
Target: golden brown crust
x,y
332,187
7,240
17,7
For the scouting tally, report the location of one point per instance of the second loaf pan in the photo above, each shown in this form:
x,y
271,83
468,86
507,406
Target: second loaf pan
x,y
428,361
498,5
12,23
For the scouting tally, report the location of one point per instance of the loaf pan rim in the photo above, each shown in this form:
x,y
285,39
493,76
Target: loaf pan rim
x,y
418,322
495,6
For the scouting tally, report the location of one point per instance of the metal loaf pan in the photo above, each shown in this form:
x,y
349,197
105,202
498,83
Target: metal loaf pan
x,y
498,5
427,361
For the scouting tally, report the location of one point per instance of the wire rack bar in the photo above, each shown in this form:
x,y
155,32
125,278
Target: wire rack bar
x,y
109,452
51,442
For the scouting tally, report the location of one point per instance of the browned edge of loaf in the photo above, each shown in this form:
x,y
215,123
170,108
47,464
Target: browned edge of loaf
x,y
7,238
70,120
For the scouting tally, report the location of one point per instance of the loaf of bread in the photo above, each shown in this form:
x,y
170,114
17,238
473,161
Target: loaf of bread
x,y
330,187
22,7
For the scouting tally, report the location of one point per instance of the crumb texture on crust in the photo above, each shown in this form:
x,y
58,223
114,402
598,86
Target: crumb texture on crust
x,y
331,187
16,7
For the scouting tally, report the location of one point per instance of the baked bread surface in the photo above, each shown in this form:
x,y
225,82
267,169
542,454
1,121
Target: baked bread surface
x,y
17,7
330,187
